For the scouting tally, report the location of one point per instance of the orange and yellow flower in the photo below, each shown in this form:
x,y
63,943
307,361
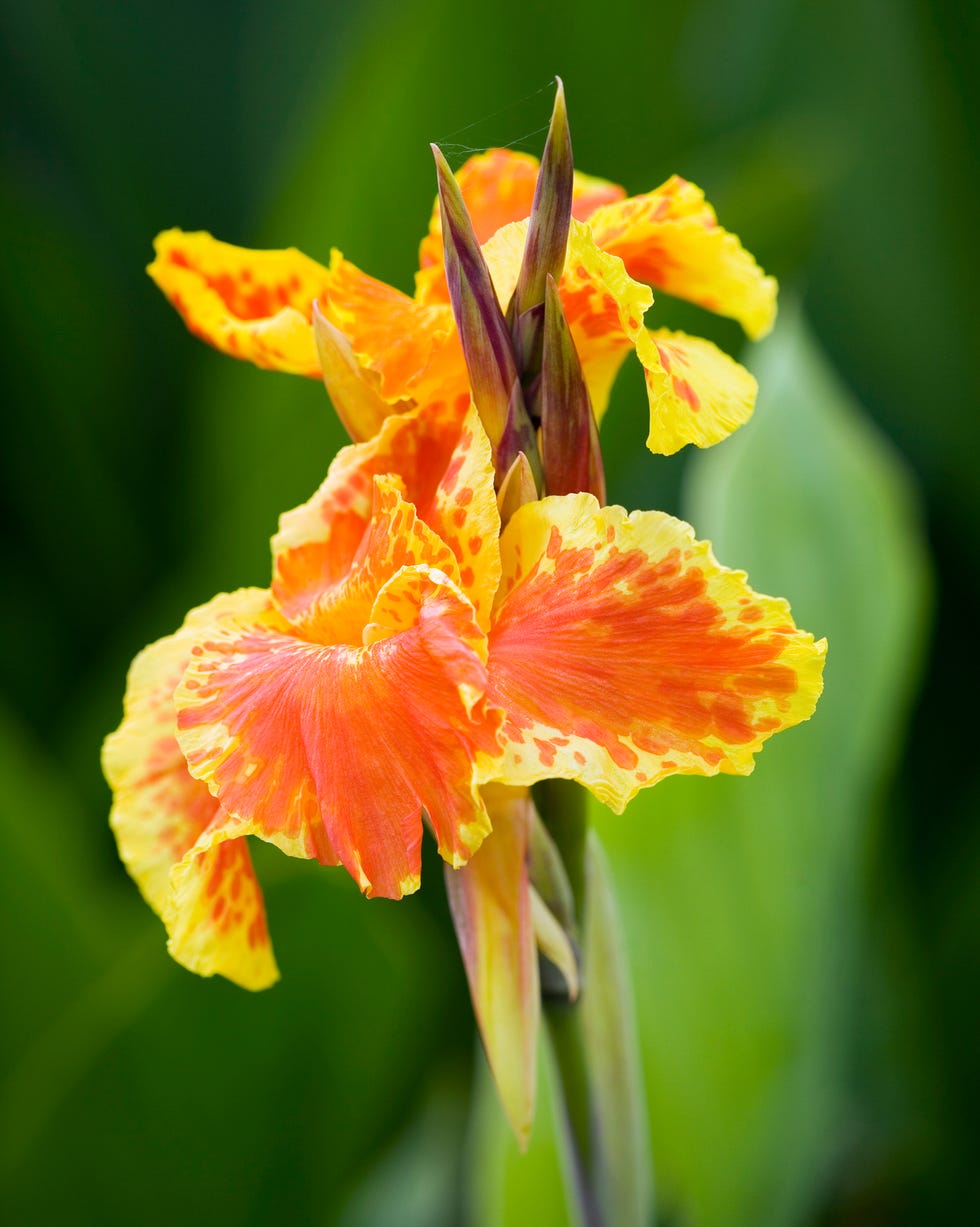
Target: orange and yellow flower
x,y
437,637
404,350
406,654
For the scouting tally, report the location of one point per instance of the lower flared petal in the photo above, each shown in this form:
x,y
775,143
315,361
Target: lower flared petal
x,y
622,652
214,913
160,814
334,751
670,239
697,393
491,904
254,305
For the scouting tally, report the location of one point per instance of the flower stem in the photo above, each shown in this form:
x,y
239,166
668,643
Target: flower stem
x,y
561,804
593,1040
564,1022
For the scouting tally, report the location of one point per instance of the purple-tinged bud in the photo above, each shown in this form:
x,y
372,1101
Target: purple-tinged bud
x,y
570,456
551,214
482,329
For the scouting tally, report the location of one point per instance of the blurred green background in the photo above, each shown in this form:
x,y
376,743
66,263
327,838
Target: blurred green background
x,y
804,943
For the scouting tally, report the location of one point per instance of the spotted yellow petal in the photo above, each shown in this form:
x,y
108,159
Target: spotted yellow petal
x,y
341,746
254,305
670,238
214,912
622,652
697,393
490,901
498,188
163,819
442,457
411,349
603,305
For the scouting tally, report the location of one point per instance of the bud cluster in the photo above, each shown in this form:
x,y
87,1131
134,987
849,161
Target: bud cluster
x,y
524,372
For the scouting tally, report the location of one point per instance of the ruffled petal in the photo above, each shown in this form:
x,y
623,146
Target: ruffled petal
x,y
161,816
622,652
670,238
411,350
697,393
490,901
442,457
395,538
603,305
321,748
214,914
254,305
498,188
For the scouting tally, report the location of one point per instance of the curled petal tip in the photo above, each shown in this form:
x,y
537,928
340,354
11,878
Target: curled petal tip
x,y
351,388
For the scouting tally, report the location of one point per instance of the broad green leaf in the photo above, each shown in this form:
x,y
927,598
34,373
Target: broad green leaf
x,y
741,897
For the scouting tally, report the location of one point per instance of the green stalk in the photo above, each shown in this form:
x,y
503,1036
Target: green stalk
x,y
599,1081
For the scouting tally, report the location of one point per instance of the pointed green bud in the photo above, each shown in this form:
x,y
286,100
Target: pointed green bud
x,y
551,214
517,488
482,329
570,455
559,953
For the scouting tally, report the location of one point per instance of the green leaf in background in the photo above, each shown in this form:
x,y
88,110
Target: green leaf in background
x,y
625,1184
742,897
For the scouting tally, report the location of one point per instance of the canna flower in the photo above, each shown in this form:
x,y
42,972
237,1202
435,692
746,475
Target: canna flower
x,y
408,655
455,615
381,351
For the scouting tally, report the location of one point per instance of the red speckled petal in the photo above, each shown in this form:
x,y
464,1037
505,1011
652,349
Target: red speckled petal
x,y
603,305
340,747
214,913
697,393
254,305
442,457
490,901
622,652
498,187
670,238
160,813
411,350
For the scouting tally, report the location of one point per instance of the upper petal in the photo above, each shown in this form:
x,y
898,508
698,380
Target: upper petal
x,y
697,393
442,457
622,652
166,822
498,188
251,304
671,239
411,349
341,747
